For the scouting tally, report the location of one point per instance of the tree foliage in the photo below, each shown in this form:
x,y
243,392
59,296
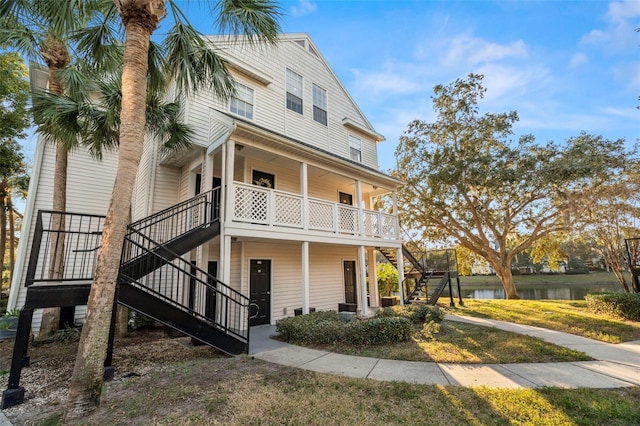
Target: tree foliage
x,y
467,181
612,218
387,279
14,93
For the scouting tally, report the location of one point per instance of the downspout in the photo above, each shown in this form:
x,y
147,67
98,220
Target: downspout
x,y
26,222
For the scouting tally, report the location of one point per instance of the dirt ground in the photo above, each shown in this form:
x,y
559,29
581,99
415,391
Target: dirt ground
x,y
47,378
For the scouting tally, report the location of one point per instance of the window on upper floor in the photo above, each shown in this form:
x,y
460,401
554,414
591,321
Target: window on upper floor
x,y
355,148
319,105
242,102
294,91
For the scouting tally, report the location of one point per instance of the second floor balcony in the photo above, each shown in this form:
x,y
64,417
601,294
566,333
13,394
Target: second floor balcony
x,y
279,209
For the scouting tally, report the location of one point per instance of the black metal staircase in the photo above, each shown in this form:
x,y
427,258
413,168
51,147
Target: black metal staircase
x,y
154,279
425,268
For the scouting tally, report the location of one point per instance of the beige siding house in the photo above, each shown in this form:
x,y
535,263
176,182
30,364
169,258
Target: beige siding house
x,y
296,163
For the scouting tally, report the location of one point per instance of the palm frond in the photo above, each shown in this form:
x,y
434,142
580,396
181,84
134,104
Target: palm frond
x,y
57,117
157,81
78,80
194,65
179,138
17,36
255,19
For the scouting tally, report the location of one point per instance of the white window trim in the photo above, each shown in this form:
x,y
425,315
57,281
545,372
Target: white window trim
x,y
355,143
293,93
240,99
325,107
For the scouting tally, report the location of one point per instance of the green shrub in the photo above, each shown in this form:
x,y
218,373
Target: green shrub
x,y
378,331
323,327
326,327
417,313
66,335
429,329
619,305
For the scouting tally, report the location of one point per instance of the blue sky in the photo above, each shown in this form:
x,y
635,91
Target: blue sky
x,y
564,66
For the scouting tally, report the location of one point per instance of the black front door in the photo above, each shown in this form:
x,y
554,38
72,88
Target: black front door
x,y
260,292
210,299
350,288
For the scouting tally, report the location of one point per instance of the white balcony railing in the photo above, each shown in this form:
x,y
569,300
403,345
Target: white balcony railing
x,y
258,205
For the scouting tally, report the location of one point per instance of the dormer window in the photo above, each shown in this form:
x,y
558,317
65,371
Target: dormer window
x,y
355,148
294,91
242,103
319,105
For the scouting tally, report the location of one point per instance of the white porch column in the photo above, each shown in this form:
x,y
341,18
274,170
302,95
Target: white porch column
x,y
226,265
360,205
395,213
373,279
226,211
363,281
206,185
305,277
304,187
400,261
227,171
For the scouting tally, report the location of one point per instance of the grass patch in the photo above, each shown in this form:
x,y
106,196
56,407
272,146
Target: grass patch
x,y
464,343
261,393
569,316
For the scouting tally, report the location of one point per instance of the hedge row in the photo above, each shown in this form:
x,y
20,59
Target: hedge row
x,y
416,313
619,305
327,327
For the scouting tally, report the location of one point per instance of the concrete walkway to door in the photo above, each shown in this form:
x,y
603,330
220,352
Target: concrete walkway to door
x,y
614,365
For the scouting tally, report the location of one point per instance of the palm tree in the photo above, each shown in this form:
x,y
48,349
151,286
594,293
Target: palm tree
x,y
43,31
191,64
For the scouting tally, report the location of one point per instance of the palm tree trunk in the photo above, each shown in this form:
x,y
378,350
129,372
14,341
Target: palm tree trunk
x,y
56,55
86,382
51,316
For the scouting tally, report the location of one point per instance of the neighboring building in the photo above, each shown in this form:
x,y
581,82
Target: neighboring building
x,y
296,163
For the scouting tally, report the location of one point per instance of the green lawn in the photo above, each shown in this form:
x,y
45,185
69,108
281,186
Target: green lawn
x,y
569,316
250,392
465,344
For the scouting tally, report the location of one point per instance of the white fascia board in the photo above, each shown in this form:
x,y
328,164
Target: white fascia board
x,y
347,122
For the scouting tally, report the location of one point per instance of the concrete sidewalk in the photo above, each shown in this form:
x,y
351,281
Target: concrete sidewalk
x,y
614,365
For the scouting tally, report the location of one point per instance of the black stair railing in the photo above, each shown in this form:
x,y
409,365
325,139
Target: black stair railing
x,y
83,236
178,282
429,265
175,221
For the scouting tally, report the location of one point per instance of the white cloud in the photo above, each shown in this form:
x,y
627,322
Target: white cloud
x,y
505,83
304,7
578,59
473,50
628,113
387,82
619,32
629,75
622,10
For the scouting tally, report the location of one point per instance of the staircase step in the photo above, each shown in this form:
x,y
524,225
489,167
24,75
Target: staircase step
x,y
181,320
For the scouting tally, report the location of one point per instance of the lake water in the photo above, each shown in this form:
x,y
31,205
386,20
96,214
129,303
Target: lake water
x,y
529,292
